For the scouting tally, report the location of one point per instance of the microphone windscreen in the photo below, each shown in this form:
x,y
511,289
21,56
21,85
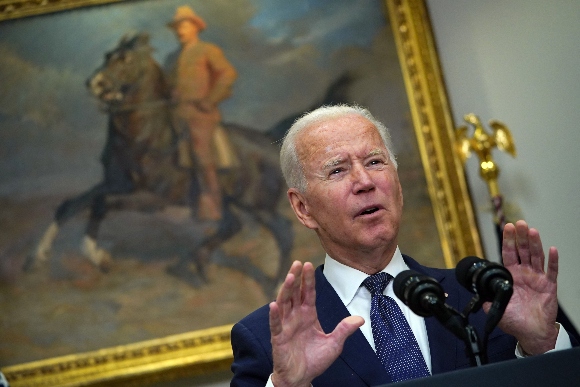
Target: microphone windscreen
x,y
401,282
463,271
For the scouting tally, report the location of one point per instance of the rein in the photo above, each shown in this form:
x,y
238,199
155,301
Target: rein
x,y
129,107
177,137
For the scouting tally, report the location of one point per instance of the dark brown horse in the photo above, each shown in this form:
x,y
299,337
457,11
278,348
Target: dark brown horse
x,y
141,156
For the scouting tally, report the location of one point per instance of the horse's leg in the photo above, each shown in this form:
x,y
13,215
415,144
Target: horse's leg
x,y
64,212
228,226
100,257
44,247
281,229
117,181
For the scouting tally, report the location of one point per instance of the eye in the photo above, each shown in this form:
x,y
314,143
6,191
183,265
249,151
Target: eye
x,y
376,162
336,171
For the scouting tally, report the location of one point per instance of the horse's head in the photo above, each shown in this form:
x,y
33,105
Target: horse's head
x,y
122,69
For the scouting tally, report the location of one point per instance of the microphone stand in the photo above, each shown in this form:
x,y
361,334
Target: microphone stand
x,y
458,324
473,348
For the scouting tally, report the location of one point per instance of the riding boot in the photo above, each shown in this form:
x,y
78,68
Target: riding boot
x,y
210,200
209,207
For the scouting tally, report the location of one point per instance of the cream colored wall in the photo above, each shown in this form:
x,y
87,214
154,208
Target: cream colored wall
x,y
519,62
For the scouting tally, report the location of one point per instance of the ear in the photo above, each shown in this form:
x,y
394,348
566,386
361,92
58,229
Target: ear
x,y
299,204
401,195
399,187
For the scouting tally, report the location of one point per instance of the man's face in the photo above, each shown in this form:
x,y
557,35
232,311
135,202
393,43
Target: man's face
x,y
353,197
186,31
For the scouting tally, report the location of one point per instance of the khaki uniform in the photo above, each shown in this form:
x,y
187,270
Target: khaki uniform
x,y
201,79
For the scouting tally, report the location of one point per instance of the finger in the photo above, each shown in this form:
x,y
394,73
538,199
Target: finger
x,y
275,321
309,288
508,248
284,298
296,293
522,242
536,251
553,258
289,282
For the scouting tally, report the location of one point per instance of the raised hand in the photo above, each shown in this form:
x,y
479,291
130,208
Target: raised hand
x,y
301,350
531,313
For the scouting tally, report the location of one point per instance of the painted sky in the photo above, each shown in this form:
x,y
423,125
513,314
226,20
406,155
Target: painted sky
x,y
286,52
264,39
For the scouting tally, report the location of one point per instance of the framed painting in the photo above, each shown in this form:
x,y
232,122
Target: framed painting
x,y
109,275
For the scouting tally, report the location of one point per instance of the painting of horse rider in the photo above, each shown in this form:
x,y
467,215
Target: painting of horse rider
x,y
140,187
165,138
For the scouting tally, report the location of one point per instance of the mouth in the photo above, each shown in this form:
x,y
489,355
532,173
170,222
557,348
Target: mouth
x,y
110,96
369,210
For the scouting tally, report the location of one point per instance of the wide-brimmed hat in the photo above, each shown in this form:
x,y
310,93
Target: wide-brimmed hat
x,y
186,13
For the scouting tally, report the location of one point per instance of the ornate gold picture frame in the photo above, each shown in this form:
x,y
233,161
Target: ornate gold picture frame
x,y
208,350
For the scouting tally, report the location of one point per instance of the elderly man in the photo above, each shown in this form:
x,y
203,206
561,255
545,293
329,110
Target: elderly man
x,y
200,78
323,327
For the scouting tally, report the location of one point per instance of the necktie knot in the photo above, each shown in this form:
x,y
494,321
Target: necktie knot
x,y
377,283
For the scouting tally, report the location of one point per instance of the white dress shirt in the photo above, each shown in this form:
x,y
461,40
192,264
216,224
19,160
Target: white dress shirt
x,y
357,299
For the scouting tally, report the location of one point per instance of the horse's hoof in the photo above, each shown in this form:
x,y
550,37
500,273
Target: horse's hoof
x,y
101,258
41,255
201,274
106,264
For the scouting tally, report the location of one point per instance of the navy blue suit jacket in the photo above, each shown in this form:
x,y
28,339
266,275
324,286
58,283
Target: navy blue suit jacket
x,y
358,364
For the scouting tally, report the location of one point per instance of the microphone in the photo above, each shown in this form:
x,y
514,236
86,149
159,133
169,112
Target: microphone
x,y
490,281
426,298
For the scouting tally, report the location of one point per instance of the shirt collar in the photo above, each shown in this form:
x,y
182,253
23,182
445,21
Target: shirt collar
x,y
346,280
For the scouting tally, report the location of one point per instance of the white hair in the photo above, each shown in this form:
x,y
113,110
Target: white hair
x,y
292,168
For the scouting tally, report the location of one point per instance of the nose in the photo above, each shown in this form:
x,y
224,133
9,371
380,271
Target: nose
x,y
362,180
95,81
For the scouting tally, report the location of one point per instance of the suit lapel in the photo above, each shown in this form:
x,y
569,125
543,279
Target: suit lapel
x,y
357,352
443,345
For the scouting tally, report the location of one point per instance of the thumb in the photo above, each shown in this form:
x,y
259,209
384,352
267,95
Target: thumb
x,y
347,327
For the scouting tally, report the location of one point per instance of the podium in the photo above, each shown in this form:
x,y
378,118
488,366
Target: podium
x,y
560,368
